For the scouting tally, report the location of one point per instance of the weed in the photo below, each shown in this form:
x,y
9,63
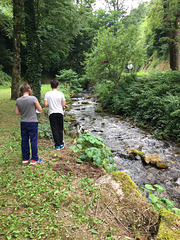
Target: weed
x,y
159,202
44,131
92,147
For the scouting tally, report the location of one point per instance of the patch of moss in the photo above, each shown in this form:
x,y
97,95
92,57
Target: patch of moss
x,y
141,154
128,186
169,225
137,152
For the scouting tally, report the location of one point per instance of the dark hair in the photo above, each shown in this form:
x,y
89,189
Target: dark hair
x,y
54,83
25,88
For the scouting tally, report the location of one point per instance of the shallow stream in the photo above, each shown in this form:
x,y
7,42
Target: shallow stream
x,y
120,136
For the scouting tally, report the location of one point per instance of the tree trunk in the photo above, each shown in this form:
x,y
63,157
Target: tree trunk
x,y
33,47
173,33
177,42
172,51
16,70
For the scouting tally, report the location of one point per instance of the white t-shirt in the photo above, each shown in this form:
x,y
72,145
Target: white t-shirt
x,y
54,99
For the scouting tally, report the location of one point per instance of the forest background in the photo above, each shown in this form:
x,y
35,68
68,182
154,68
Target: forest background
x,y
130,58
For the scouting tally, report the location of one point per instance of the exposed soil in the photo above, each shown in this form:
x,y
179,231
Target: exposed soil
x,y
64,161
129,217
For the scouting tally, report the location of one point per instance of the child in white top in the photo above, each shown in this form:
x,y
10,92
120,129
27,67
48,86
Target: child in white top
x,y
55,100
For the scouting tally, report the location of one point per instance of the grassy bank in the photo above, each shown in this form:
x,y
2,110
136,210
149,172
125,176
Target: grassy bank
x,y
57,199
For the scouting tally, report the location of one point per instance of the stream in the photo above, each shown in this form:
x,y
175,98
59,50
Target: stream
x,y
121,135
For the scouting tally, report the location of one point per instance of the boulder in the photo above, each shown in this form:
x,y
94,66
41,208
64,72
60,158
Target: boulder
x,y
169,225
152,159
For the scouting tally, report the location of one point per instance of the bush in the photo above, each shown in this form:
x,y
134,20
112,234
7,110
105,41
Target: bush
x,y
5,80
70,78
93,148
152,100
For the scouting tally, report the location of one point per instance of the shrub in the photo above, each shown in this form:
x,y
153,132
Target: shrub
x,y
70,78
92,148
152,100
5,80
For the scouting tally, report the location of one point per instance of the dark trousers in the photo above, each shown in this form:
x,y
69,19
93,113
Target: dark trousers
x,y
57,128
29,130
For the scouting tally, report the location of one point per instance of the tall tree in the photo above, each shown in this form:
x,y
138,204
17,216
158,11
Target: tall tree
x,y
33,46
16,70
111,54
164,21
172,25
59,24
81,41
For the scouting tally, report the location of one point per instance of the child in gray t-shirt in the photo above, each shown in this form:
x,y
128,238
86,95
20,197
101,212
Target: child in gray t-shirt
x,y
26,106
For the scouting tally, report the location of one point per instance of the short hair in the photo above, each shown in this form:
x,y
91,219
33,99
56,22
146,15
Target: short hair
x,y
54,83
25,88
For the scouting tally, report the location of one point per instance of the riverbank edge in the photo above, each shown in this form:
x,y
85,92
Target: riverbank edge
x,y
166,219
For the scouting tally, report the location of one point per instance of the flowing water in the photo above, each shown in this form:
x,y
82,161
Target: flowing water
x,y
120,136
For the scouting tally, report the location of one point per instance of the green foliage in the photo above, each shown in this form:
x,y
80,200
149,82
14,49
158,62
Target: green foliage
x,y
44,131
58,25
6,16
162,29
158,202
70,78
116,48
92,148
6,56
5,79
152,101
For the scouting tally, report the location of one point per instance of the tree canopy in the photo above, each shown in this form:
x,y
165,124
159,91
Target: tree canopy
x,y
71,35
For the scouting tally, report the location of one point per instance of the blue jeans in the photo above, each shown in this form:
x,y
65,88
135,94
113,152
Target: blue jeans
x,y
29,130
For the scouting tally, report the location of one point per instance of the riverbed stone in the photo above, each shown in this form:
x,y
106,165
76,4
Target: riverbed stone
x,y
152,159
161,165
136,152
178,182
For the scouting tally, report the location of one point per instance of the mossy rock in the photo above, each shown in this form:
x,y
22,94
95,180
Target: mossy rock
x,y
161,165
169,225
137,152
128,186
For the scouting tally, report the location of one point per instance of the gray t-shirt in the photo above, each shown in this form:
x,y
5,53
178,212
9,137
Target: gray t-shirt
x,y
27,108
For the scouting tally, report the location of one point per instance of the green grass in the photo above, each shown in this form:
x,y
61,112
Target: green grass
x,y
32,197
5,93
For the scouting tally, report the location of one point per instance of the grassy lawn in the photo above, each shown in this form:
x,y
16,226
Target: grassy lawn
x,y
32,196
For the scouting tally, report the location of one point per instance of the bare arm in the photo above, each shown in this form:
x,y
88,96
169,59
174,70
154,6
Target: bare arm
x,y
46,103
17,112
63,103
38,106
